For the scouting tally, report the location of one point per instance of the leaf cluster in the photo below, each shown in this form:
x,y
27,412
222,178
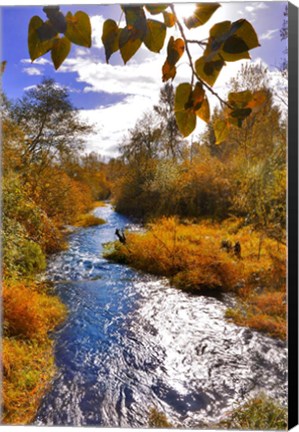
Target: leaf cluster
x,y
227,42
45,36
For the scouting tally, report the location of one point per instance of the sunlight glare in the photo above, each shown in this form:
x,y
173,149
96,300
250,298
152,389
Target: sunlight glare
x,y
184,10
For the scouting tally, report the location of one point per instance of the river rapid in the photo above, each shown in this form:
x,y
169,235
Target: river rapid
x,y
131,342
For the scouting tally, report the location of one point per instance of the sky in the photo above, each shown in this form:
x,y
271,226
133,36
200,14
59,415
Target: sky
x,y
113,96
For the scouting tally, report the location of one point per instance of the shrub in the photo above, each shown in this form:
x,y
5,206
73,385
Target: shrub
x,y
29,313
158,419
27,370
260,413
88,220
191,256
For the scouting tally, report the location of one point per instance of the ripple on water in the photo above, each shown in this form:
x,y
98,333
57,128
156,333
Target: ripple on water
x,y
131,341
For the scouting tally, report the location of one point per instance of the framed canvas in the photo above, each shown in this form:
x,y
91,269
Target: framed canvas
x,y
150,215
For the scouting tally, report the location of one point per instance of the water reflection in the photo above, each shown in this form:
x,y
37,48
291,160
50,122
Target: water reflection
x,y
132,342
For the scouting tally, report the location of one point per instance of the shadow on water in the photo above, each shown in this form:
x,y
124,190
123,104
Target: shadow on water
x,y
132,342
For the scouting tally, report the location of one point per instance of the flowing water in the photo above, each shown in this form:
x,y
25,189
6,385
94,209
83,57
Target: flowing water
x,y
132,342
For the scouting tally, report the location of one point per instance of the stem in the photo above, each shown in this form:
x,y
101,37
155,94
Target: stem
x,y
223,102
201,43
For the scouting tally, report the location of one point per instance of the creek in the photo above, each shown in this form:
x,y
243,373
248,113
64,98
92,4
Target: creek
x,y
132,342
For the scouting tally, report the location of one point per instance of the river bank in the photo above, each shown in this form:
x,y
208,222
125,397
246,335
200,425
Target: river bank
x,y
133,342
202,258
30,312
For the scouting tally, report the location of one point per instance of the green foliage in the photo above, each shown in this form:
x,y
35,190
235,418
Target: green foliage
x,y
189,104
110,36
78,29
31,259
60,51
260,413
37,47
43,36
227,42
50,123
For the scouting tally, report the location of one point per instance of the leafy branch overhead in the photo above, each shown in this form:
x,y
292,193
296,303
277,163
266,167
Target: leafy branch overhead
x,y
45,36
147,24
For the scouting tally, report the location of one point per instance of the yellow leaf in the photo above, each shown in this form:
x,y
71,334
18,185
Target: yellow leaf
x,y
60,51
36,47
78,29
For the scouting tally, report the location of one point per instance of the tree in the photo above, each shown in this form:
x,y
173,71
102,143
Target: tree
x,y
171,139
50,123
227,42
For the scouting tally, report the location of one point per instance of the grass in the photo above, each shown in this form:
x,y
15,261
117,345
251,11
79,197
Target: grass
x,y
88,220
190,255
29,313
260,413
158,419
99,204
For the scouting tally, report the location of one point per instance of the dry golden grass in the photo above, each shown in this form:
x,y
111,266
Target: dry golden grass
x,y
191,256
88,220
27,370
29,313
96,204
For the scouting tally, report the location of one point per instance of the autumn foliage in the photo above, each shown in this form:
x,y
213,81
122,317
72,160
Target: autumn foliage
x,y
46,185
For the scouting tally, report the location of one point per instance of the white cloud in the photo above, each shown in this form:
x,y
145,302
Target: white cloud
x,y
96,26
137,83
31,87
261,5
249,8
268,35
40,61
32,71
111,123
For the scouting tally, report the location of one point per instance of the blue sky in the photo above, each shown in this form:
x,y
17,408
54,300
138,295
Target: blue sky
x,y
113,97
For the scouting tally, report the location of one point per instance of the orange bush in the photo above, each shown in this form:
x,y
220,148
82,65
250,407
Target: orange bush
x,y
28,313
191,255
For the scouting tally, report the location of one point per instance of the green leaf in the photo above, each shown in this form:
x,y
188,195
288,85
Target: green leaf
x,y
155,35
235,45
36,47
241,113
240,99
186,121
128,43
78,29
209,70
169,19
110,37
182,96
136,20
60,51
246,32
201,15
231,41
155,9
185,117
221,129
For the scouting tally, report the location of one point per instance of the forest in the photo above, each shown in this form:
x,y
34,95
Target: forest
x,y
213,217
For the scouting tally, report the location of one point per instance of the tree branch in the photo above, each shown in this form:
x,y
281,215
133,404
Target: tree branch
x,y
223,102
